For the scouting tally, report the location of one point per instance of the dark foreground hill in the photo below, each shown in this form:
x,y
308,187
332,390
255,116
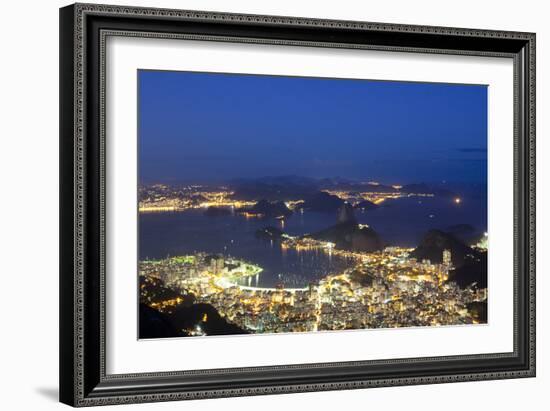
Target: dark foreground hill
x,y
154,324
185,316
205,315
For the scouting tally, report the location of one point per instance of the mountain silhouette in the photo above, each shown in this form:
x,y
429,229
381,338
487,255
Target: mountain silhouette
x,y
435,241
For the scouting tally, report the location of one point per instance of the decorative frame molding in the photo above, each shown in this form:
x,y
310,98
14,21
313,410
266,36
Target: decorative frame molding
x,y
83,32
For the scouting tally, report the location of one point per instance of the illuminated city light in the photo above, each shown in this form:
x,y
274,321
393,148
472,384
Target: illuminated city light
x,y
400,286
381,289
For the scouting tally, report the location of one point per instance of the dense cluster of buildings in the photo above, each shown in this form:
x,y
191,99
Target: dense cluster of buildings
x,y
381,289
378,290
355,198
161,198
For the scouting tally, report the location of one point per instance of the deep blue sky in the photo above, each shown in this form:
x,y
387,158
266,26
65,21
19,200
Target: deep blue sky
x,y
212,127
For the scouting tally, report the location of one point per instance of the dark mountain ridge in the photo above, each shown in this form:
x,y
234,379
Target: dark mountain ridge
x,y
435,241
469,265
346,234
269,209
322,202
351,236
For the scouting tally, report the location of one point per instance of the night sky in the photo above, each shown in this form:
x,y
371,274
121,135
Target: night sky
x,y
206,127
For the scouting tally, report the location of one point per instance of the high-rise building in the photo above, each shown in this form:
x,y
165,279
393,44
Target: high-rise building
x,y
217,264
220,264
447,257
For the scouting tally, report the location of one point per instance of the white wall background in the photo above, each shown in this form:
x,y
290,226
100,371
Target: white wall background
x,y
29,204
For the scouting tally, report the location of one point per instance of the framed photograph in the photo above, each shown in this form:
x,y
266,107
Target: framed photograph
x,y
261,204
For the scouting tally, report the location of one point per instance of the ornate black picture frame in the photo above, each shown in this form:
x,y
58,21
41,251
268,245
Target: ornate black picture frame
x,y
83,30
